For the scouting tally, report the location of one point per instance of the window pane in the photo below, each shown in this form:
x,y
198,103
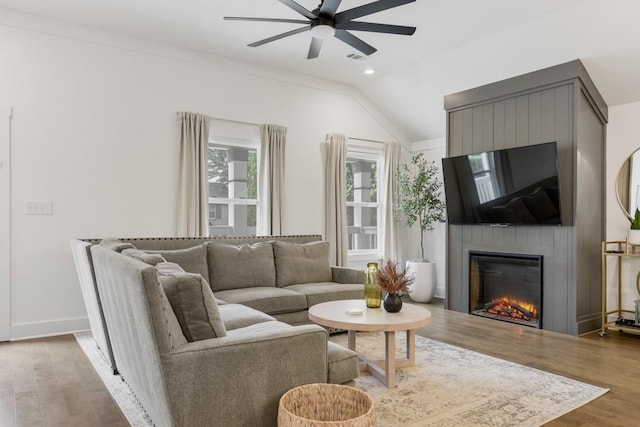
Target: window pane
x,y
218,165
362,227
362,180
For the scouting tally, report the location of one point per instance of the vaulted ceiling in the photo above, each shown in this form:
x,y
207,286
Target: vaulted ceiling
x,y
458,44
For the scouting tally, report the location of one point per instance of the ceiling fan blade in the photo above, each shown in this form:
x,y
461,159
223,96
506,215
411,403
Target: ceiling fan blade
x,y
279,36
376,28
355,42
314,48
241,18
328,8
368,9
301,10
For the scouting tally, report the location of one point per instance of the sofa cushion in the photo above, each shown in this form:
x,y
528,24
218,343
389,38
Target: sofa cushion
x,y
194,305
328,291
143,256
263,328
116,244
237,316
241,266
192,260
270,300
301,263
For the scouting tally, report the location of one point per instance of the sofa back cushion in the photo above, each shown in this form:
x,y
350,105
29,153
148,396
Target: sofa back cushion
x,y
241,266
192,260
301,263
193,303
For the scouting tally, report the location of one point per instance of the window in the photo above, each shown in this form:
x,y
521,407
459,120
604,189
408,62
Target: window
x,y
233,190
363,207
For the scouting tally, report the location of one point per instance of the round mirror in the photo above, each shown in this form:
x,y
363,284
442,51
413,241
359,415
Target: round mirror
x,y
628,184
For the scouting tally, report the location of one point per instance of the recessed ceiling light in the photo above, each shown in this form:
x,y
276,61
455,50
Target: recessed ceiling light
x,y
369,71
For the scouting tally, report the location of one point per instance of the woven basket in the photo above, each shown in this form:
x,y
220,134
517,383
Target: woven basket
x,y
314,405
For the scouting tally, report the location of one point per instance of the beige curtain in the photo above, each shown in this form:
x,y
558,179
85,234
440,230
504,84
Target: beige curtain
x,y
335,188
193,197
390,227
273,139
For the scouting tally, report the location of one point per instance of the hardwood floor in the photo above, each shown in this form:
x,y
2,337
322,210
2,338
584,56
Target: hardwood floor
x,y
50,382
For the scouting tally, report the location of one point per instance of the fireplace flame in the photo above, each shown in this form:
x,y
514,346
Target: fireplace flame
x,y
512,308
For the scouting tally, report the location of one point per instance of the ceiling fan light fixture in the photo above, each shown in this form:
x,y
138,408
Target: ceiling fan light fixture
x,y
323,31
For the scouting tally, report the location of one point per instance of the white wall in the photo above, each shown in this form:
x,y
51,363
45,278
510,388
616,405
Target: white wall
x,y
94,131
622,141
435,241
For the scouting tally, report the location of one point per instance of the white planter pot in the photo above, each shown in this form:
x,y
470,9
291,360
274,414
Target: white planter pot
x,y
634,237
424,285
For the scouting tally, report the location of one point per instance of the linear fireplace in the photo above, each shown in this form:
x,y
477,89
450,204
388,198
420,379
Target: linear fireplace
x,y
506,287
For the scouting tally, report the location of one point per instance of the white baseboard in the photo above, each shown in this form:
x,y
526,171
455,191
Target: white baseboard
x,y
23,331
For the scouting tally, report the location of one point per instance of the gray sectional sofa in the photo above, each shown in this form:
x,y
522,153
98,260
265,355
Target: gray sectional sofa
x,y
212,331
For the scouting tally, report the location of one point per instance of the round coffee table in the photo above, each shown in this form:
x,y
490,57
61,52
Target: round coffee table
x,y
335,314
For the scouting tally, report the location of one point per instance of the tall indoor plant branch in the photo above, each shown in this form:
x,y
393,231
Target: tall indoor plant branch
x,y
419,195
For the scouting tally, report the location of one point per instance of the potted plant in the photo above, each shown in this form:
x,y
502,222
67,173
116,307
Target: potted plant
x,y
395,283
634,232
420,201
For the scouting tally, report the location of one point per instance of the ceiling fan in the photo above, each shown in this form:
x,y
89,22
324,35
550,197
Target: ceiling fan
x,y
325,21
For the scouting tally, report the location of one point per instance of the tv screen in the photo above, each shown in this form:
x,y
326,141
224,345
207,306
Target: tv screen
x,y
510,186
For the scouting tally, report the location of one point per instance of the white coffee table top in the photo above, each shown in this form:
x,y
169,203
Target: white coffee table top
x,y
334,314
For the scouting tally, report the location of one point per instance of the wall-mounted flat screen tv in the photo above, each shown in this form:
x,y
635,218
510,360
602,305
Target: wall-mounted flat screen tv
x,y
512,186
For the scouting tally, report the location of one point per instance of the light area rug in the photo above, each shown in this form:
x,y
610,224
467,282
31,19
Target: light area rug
x,y
449,386
452,386
120,391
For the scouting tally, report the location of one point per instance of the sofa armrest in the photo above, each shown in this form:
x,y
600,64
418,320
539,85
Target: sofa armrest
x,y
239,379
346,275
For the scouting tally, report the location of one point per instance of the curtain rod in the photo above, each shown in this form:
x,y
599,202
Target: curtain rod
x,y
402,147
224,120
366,140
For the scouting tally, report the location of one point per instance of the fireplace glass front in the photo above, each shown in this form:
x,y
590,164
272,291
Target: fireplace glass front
x,y
506,287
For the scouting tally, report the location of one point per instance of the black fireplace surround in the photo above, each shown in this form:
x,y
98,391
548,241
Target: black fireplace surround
x,y
506,286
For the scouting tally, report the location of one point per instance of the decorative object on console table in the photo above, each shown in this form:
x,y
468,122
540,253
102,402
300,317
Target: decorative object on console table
x,y
372,292
420,200
394,282
633,237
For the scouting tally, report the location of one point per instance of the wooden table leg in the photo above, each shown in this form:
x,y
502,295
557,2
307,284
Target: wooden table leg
x,y
351,340
411,347
390,359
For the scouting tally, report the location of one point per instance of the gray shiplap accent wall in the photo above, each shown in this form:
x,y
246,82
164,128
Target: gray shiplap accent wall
x,y
558,105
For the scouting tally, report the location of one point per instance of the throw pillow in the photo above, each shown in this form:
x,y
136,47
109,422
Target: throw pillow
x,y
192,260
241,266
152,259
116,244
169,268
194,305
301,263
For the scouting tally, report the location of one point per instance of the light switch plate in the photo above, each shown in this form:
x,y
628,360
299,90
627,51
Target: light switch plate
x,y
38,207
